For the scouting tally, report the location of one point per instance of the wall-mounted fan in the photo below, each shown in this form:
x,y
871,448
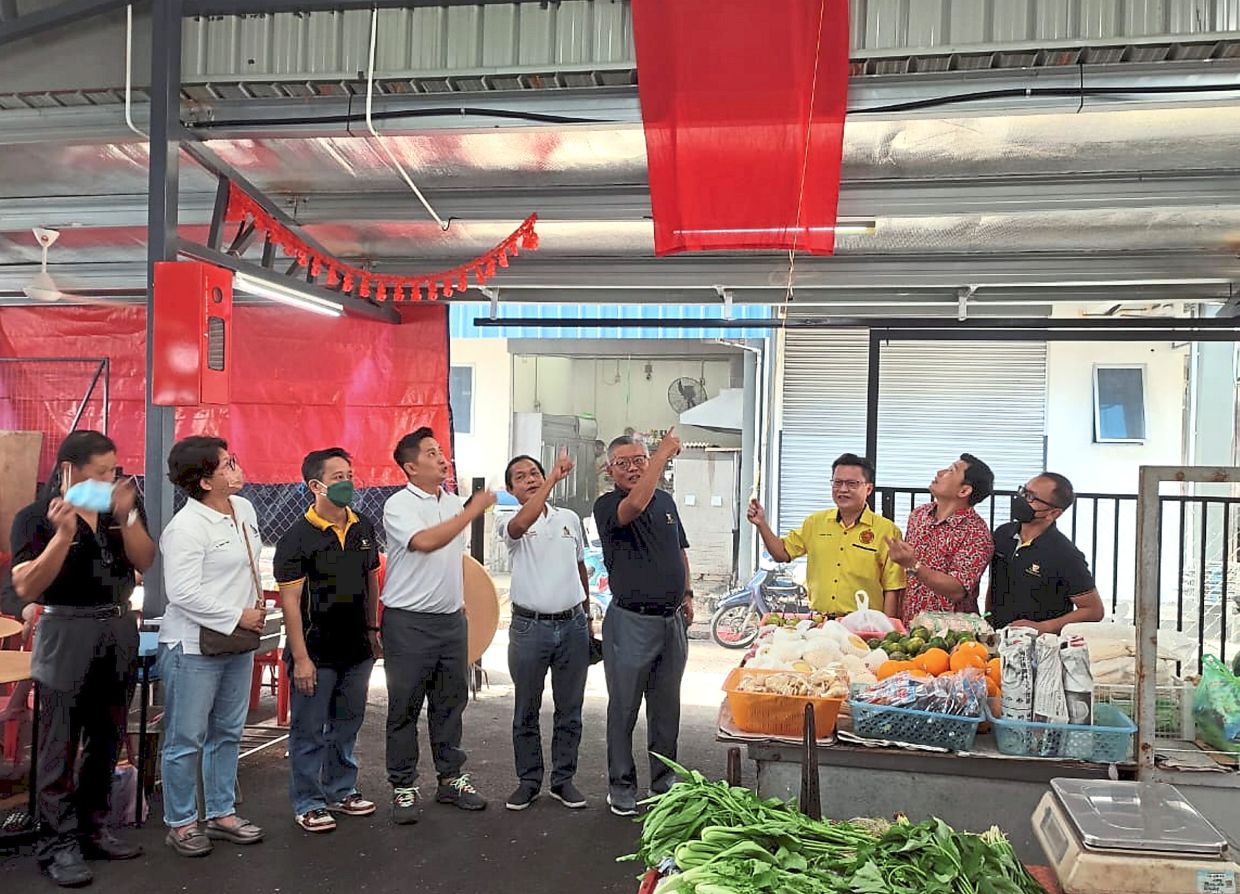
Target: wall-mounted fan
x,y
686,393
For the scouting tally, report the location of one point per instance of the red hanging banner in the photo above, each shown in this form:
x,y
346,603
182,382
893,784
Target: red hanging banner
x,y
743,104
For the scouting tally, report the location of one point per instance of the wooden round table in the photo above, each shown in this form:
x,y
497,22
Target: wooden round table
x,y
9,627
481,608
14,666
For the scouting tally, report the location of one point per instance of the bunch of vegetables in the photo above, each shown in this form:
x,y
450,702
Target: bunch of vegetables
x,y
723,839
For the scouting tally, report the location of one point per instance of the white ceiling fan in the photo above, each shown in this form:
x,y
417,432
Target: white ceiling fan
x,y
42,287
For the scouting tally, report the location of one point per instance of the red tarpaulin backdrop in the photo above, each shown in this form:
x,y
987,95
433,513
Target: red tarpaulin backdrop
x,y
299,382
727,88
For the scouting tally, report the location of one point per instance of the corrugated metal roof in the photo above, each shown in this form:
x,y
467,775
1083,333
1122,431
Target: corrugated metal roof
x,y
461,317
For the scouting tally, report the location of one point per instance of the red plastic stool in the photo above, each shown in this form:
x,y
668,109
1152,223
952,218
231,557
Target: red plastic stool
x,y
279,683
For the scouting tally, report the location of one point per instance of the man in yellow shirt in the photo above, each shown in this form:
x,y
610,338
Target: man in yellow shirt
x,y
847,546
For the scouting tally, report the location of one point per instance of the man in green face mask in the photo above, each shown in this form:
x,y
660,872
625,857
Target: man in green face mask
x,y
327,567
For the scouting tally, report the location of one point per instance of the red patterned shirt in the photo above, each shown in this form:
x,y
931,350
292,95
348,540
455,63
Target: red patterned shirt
x,y
959,545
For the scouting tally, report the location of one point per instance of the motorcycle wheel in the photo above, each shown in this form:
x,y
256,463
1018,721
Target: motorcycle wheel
x,y
735,627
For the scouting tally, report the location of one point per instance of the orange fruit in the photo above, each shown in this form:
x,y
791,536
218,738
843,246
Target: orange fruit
x,y
994,670
963,658
888,669
917,673
975,648
992,688
934,661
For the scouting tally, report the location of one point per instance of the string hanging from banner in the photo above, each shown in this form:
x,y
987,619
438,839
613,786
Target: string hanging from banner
x,y
366,283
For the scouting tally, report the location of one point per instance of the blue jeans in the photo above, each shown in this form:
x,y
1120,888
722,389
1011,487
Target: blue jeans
x,y
563,647
206,698
322,734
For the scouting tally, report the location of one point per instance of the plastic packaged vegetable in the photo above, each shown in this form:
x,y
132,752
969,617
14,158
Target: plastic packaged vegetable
x,y
1216,706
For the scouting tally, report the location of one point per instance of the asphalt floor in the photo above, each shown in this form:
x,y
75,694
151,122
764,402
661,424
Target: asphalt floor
x,y
547,847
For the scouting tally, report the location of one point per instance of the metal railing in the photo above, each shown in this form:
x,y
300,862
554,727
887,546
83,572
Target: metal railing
x,y
1199,579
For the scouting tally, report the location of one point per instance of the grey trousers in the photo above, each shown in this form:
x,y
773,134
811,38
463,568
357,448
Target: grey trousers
x,y
643,657
425,658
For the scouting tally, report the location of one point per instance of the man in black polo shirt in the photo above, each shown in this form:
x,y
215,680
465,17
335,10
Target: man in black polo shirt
x,y
327,567
645,632
1038,578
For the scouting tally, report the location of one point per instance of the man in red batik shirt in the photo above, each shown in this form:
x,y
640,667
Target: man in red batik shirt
x,y
948,546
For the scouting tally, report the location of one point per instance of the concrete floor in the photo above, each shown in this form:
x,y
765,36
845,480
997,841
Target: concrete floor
x,y
545,848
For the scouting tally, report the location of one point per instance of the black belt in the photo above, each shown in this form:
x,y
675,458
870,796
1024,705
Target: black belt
x,y
655,611
94,612
545,616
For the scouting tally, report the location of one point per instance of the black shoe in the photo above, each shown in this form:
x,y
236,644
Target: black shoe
x,y
461,792
525,795
406,807
103,845
568,795
67,869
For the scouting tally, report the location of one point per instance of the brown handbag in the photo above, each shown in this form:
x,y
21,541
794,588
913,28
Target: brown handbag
x,y
212,642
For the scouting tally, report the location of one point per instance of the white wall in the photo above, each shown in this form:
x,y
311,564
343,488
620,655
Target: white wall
x,y
484,451
1112,468
615,391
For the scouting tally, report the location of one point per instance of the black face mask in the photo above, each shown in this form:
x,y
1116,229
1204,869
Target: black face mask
x,y
1022,510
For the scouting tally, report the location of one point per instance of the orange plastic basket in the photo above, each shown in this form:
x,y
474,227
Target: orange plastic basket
x,y
777,715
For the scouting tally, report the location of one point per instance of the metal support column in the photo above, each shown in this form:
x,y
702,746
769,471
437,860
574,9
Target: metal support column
x,y
746,554
871,397
165,129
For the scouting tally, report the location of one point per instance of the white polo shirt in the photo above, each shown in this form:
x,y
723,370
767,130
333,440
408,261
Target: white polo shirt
x,y
422,582
545,577
207,575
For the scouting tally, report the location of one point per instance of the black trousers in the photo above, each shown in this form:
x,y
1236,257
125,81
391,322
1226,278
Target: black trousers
x,y
90,716
425,659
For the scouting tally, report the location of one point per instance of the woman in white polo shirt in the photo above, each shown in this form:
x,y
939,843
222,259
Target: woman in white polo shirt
x,y
210,552
550,629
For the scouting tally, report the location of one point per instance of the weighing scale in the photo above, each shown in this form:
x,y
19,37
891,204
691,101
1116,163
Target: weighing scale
x,y
1106,837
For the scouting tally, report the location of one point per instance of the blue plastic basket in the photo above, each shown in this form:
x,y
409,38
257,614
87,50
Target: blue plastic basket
x,y
950,731
1107,741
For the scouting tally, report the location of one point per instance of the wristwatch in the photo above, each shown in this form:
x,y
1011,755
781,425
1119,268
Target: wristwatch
x,y
133,518
916,568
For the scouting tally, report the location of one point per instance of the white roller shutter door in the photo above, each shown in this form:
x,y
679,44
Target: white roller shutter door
x,y
936,401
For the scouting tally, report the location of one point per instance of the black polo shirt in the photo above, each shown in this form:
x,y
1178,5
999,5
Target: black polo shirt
x,y
335,566
1035,581
96,570
643,558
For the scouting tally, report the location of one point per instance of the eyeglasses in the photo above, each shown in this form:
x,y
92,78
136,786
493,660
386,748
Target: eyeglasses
x,y
231,463
631,462
846,484
1030,497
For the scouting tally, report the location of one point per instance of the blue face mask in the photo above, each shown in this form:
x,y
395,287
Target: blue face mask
x,y
91,495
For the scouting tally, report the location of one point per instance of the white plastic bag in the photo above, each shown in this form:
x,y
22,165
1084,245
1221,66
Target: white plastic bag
x,y
866,619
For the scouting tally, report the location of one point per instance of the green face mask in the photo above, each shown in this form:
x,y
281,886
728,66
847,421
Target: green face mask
x,y
340,493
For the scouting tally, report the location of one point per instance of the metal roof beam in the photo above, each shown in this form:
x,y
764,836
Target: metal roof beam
x,y
870,199
31,24
258,7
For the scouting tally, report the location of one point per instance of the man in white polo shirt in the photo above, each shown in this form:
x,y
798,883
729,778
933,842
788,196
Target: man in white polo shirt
x,y
424,635
550,629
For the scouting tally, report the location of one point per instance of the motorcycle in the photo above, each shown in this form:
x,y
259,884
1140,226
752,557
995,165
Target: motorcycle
x,y
735,623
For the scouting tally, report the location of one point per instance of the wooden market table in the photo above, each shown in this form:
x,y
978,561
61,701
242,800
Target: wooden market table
x,y
15,668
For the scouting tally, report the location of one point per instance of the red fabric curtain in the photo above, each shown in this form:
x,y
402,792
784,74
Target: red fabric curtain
x,y
299,382
728,93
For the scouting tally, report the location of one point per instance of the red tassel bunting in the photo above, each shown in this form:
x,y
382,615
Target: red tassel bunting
x,y
365,289
503,258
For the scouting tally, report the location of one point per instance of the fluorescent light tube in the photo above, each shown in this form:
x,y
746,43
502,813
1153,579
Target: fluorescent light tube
x,y
285,295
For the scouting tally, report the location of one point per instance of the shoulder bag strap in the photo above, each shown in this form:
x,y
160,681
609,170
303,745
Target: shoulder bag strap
x,y
249,551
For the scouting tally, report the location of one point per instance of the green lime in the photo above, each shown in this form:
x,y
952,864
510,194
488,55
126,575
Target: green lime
x,y
893,637
914,645
874,643
938,642
897,656
921,632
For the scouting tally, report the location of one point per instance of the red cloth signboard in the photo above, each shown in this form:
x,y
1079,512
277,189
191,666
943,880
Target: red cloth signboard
x,y
299,382
732,94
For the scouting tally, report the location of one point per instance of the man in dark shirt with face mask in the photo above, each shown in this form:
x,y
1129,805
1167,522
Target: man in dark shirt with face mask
x,y
1038,578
